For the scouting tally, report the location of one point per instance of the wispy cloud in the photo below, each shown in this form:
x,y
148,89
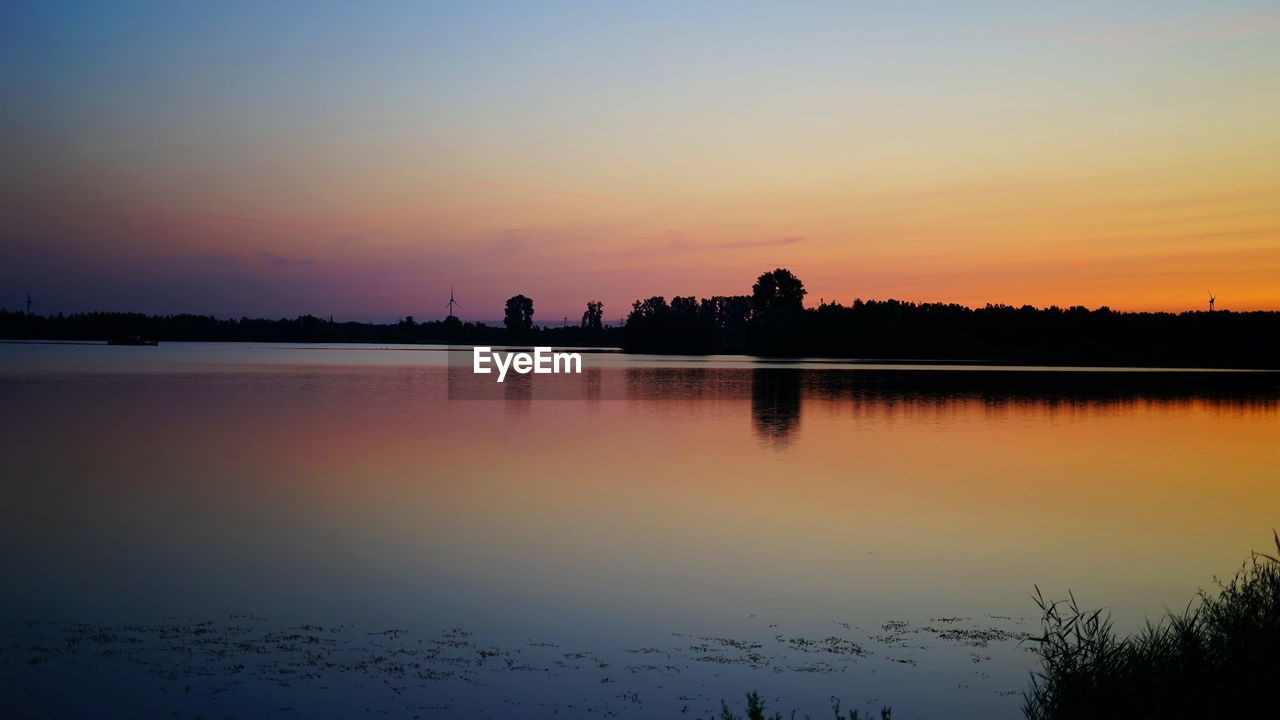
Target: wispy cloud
x,y
544,191
277,261
260,221
681,242
206,260
789,240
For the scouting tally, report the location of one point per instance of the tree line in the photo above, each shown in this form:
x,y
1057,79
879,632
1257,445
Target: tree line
x,y
103,326
773,321
770,321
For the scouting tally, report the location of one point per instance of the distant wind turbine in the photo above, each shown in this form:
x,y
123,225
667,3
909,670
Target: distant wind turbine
x,y
28,302
1211,299
452,302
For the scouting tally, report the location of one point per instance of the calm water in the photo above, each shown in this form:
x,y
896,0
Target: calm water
x,y
246,531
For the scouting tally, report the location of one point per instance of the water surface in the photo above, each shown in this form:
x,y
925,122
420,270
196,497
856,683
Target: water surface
x,y
350,530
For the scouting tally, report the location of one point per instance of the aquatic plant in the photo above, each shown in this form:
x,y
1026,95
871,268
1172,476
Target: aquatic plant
x,y
755,711
1216,658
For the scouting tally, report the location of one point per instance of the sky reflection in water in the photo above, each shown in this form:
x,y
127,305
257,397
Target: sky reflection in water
x,y
742,503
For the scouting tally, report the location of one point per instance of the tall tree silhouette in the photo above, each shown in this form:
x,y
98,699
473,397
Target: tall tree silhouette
x,y
593,318
777,291
519,315
777,306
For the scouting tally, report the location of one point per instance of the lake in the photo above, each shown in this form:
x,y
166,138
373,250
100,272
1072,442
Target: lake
x,y
237,530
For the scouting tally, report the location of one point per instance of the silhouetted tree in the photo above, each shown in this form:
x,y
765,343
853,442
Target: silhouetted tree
x,y
655,326
777,303
453,329
593,318
729,318
777,291
519,315
644,326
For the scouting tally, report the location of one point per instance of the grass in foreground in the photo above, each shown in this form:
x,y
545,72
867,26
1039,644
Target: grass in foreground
x,y
1218,658
755,711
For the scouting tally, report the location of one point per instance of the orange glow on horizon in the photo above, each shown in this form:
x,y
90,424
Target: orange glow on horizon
x,y
1128,161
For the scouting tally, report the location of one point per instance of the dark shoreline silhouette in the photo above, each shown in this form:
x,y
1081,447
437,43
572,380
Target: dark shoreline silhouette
x,y
773,321
103,326
770,322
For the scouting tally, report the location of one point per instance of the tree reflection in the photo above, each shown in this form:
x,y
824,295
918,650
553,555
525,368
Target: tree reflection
x,y
775,405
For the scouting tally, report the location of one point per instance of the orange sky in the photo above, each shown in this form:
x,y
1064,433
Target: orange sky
x,y
357,163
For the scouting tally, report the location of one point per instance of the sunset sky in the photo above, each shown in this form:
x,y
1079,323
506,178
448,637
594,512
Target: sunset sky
x,y
276,159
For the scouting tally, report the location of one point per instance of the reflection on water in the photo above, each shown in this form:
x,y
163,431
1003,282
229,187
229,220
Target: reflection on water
x,y
697,531
775,404
776,394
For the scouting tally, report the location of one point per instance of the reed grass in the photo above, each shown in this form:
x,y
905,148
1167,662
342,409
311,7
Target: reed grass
x,y
1217,658
756,711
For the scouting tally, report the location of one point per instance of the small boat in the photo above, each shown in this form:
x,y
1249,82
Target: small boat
x,y
131,340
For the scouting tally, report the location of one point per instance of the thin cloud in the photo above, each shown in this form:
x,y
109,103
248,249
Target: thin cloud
x,y
521,188
789,240
260,221
680,242
674,242
205,259
277,261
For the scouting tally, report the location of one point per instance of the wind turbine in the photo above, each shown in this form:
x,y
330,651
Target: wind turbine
x,y
1211,299
28,302
452,302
